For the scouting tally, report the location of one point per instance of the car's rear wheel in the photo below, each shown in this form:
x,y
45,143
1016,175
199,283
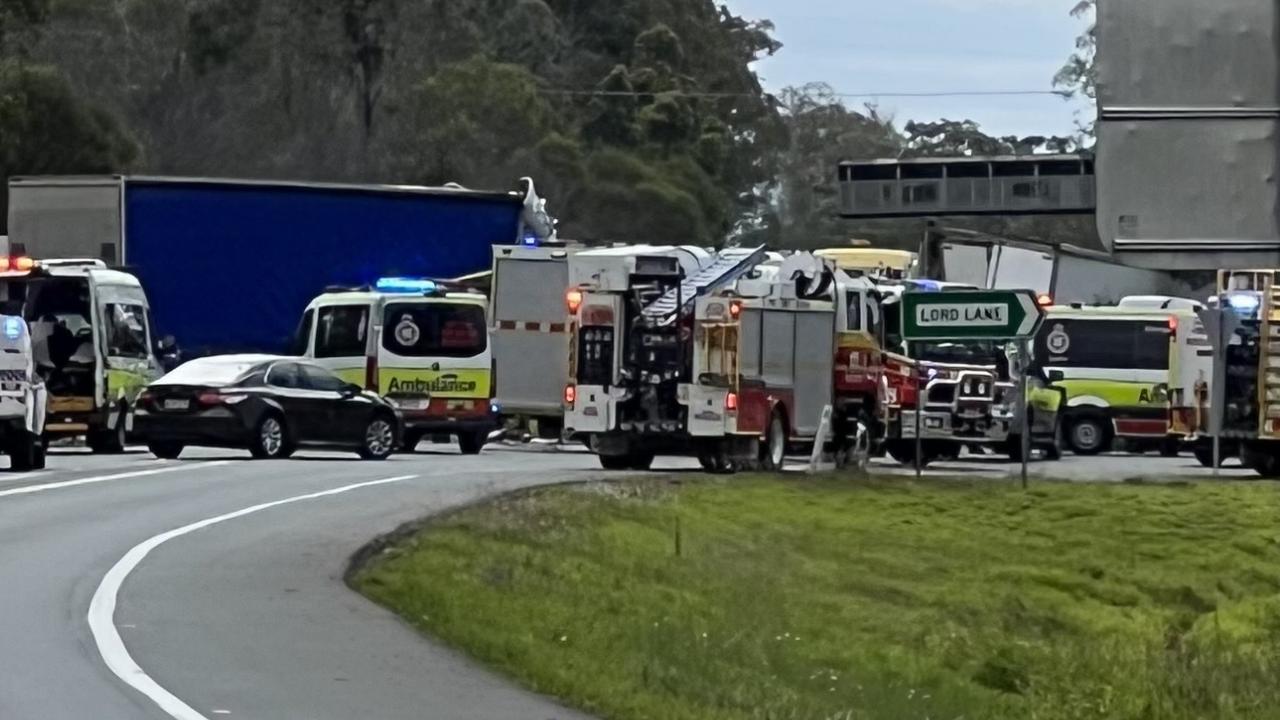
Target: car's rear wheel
x,y
379,439
166,450
472,443
270,439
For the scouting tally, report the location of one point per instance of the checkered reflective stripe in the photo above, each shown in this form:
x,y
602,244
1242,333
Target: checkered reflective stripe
x,y
538,327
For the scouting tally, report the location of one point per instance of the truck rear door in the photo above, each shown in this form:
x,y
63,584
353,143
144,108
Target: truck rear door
x,y
530,329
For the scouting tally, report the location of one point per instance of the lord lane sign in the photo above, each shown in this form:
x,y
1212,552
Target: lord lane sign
x,y
970,315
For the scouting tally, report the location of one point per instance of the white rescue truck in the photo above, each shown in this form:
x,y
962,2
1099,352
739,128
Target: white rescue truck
x,y
23,398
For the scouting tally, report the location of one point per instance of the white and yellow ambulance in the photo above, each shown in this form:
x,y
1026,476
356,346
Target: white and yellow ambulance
x,y
423,344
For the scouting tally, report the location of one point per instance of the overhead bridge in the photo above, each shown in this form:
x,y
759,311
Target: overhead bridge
x,y
930,187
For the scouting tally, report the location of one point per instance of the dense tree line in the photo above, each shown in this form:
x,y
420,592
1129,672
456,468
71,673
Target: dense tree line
x,y
641,119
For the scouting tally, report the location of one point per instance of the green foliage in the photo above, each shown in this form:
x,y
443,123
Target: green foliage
x,y
1078,77
829,599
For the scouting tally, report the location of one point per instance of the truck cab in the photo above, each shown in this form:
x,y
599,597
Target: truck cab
x,y
422,344
92,343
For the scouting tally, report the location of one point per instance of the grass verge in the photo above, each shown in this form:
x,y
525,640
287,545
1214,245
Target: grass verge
x,y
760,598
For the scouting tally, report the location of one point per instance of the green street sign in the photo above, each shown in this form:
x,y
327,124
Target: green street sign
x,y
970,315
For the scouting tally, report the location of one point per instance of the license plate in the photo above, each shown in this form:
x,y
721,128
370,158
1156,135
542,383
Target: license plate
x,y
414,403
177,404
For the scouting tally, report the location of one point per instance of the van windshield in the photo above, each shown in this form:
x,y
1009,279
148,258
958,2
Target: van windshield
x,y
434,330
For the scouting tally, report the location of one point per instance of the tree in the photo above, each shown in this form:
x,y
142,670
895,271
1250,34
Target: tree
x,y
1079,76
45,130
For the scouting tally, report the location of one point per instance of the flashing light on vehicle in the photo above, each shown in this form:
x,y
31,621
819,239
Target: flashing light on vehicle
x,y
406,285
495,408
1244,303
570,395
1173,324
1044,300
573,300
731,403
16,264
529,240
927,285
13,328
735,310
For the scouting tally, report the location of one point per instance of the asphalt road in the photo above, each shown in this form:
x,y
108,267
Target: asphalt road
x,y
212,587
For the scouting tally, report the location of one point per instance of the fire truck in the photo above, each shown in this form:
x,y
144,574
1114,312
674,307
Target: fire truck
x,y
729,357
1251,412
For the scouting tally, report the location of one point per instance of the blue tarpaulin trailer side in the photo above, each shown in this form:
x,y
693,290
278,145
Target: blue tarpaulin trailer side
x,y
230,265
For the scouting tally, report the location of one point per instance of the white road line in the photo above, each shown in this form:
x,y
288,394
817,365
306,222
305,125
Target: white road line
x,y
31,489
102,608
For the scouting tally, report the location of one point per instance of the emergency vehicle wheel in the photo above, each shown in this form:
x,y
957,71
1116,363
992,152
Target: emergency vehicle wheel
x,y
773,452
1260,458
615,462
1170,448
26,452
109,442
640,461
1088,435
412,439
714,458
1204,454
166,451
473,442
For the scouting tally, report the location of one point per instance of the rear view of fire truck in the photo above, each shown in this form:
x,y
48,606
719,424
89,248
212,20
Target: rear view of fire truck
x,y
632,333
1251,411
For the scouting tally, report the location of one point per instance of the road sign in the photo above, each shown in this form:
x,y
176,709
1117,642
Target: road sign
x,y
970,315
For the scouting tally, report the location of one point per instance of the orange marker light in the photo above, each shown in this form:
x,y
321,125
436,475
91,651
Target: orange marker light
x,y
1044,300
4,264
573,300
24,264
570,395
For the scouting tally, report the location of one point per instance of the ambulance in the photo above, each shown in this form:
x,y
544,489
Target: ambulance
x,y
1122,371
422,344
91,342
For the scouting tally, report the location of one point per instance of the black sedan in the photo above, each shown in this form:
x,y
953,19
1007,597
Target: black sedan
x,y
269,405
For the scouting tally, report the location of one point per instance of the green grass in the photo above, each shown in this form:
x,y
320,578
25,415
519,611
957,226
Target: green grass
x,y
777,599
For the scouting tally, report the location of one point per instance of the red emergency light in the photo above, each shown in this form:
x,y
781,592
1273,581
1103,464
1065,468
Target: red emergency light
x,y
570,395
573,300
16,264
731,403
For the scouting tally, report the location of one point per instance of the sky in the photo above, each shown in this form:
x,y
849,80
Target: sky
x,y
915,46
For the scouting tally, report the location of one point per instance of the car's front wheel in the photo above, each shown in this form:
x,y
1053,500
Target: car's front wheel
x,y
379,439
270,439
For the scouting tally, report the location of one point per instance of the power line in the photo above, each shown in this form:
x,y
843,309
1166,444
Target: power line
x,y
720,95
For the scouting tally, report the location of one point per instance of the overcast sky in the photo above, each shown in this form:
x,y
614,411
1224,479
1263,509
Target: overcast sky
x,y
886,46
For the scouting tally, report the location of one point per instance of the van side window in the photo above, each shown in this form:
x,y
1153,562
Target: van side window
x,y
853,302
127,331
342,331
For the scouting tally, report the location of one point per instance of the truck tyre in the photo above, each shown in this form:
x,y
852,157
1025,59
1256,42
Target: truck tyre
x,y
1170,447
1261,458
640,460
471,443
270,439
1089,435
166,450
1013,448
715,458
773,452
615,462
1204,454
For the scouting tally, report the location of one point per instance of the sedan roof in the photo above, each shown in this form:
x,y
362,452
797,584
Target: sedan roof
x,y
217,370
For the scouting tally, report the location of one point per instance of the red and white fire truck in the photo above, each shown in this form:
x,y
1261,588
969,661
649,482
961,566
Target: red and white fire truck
x,y
729,357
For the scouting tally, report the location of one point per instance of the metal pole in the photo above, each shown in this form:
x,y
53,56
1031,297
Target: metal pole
x,y
919,412
1024,356
1220,357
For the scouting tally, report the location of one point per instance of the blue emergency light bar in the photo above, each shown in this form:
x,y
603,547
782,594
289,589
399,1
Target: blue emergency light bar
x,y
1245,303
406,285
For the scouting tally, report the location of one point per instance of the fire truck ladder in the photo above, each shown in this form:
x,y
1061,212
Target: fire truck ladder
x,y
729,265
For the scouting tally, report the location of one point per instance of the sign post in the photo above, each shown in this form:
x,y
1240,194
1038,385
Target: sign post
x,y
1220,325
967,315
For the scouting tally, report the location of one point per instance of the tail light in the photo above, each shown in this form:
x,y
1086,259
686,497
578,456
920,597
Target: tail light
x,y
1173,323
573,300
371,374
731,403
145,398
214,398
570,395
